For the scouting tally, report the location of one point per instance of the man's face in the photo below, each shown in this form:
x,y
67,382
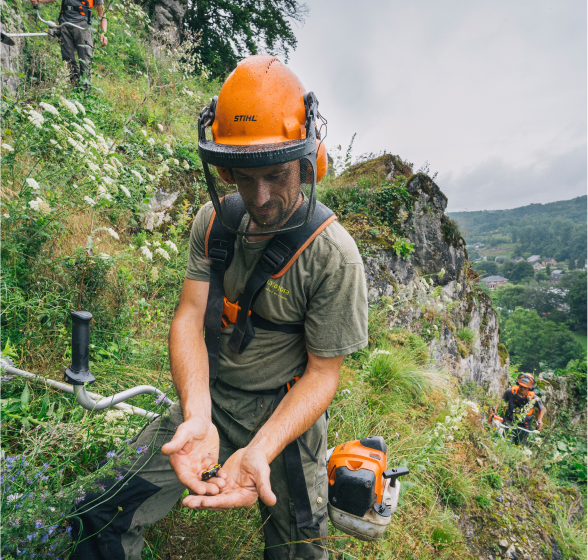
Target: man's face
x,y
523,391
270,193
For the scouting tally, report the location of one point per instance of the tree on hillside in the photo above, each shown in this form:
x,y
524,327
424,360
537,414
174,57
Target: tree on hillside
x,y
522,271
530,340
489,268
231,30
577,295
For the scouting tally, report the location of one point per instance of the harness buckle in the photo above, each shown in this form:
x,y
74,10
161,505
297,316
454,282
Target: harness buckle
x,y
230,313
274,257
218,253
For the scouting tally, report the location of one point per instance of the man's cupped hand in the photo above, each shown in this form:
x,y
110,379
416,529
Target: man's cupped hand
x,y
194,449
247,475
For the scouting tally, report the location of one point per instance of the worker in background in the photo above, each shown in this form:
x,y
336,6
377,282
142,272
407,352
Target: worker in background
x,y
521,403
74,40
274,297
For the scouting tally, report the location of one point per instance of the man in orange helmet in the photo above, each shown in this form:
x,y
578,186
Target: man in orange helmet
x,y
521,403
274,298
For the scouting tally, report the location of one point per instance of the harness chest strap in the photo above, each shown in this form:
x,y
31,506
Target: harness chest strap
x,y
80,6
278,257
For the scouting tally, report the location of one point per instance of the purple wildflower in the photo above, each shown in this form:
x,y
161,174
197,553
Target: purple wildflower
x,y
31,537
38,524
111,454
142,449
119,477
130,440
163,399
44,537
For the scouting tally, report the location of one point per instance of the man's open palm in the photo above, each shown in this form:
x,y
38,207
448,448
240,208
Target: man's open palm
x,y
247,479
193,449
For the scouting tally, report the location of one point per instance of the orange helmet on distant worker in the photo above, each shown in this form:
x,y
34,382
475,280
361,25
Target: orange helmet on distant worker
x,y
262,116
526,380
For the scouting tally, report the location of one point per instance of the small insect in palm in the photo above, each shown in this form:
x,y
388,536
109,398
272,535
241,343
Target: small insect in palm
x,y
210,473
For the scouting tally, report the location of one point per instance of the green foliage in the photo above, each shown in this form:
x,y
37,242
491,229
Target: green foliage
x,y
556,230
231,31
576,298
531,340
502,353
451,231
487,268
521,271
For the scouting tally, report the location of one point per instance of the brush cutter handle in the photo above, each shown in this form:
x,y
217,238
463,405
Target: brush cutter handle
x,y
79,371
54,25
393,474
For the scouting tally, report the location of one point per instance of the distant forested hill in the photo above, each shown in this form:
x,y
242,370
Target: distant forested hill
x,y
556,229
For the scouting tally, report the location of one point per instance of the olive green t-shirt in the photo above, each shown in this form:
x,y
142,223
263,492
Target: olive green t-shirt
x,y
324,290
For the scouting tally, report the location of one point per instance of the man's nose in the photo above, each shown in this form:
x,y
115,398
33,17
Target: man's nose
x,y
262,193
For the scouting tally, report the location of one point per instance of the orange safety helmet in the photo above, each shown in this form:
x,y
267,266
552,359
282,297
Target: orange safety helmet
x,y
526,380
262,116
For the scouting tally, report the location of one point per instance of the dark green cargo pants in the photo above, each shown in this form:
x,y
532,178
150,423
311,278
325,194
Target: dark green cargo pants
x,y
81,42
150,489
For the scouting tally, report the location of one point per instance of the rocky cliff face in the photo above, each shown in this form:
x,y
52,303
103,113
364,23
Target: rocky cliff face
x,y
168,17
10,55
435,293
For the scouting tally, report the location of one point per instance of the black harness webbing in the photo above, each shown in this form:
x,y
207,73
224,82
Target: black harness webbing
x,y
278,255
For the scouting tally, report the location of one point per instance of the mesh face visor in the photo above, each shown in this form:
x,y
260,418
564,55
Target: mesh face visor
x,y
284,198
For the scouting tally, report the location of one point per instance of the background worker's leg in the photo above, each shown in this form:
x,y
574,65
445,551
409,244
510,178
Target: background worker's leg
x,y
112,521
85,50
68,54
282,536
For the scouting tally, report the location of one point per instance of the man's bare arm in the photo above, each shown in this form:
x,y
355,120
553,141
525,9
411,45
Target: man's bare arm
x,y
301,407
247,470
187,350
195,445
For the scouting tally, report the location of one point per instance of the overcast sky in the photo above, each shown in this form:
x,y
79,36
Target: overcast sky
x,y
492,93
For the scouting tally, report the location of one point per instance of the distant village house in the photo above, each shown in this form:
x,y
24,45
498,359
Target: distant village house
x,y
533,258
492,282
555,276
516,259
548,261
537,266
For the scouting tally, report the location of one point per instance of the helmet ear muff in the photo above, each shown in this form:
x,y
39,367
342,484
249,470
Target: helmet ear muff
x,y
321,161
226,175
527,379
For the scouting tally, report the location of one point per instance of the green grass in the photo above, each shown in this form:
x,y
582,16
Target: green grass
x,y
580,336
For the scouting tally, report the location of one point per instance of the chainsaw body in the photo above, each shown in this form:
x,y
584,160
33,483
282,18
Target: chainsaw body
x,y
363,494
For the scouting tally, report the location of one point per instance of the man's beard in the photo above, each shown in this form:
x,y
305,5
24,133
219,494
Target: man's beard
x,y
279,219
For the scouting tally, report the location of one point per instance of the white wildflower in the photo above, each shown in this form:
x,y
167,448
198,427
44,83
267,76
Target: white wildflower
x,y
74,186
88,121
154,274
105,256
159,157
150,177
108,180
13,497
7,147
137,174
168,149
93,166
160,127
89,200
156,244
32,183
188,92
90,129
80,107
171,245
141,153
125,190
176,162
185,165
76,126
147,243
6,215
151,141
56,126
69,105
50,108
80,136
39,205
146,252
36,118
144,132
163,253
53,142
113,233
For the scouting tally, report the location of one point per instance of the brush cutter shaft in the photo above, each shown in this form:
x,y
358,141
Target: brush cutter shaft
x,y
88,399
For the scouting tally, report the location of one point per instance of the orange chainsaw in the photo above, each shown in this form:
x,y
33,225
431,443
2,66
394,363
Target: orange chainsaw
x,y
363,493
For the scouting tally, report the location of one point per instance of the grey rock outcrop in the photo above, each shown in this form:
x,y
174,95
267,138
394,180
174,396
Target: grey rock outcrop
x,y
10,56
440,257
168,17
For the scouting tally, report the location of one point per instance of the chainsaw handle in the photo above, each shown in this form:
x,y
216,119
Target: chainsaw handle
x,y
393,474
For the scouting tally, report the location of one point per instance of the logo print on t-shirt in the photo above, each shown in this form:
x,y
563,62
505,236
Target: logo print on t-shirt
x,y
277,290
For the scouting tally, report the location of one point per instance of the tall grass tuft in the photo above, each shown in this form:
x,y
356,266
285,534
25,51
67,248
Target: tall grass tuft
x,y
401,371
